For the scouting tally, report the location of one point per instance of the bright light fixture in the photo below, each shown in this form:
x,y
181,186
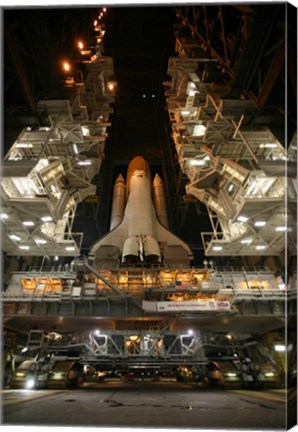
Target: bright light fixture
x,y
14,237
28,223
191,89
217,248
279,347
231,187
70,248
185,113
84,163
40,241
281,228
85,131
88,52
242,219
260,247
30,384
3,215
24,247
268,145
66,66
246,241
196,162
75,148
260,223
24,145
46,218
199,130
111,85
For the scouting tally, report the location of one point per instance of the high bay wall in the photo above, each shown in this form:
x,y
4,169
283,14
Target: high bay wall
x,y
92,312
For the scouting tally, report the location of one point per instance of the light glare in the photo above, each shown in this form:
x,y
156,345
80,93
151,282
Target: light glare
x,y
46,218
66,66
279,348
14,237
242,219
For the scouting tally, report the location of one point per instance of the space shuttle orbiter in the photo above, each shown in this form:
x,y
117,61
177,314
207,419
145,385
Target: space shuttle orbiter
x,y
139,223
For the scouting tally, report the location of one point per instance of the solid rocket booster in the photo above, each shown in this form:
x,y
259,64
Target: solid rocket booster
x,y
160,201
139,237
118,202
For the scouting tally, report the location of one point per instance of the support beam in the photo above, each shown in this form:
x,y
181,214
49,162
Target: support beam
x,y
223,33
113,288
272,75
21,70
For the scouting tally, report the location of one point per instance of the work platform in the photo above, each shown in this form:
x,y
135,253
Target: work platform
x,y
147,293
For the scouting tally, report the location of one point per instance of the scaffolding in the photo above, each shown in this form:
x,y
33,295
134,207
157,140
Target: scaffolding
x,y
231,167
49,169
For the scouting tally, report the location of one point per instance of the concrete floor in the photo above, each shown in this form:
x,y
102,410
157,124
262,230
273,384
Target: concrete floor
x,y
146,405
